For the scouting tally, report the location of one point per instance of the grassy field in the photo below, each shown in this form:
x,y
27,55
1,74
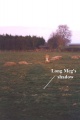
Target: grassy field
x,y
22,96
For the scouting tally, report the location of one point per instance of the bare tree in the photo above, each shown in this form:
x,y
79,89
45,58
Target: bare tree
x,y
60,38
64,33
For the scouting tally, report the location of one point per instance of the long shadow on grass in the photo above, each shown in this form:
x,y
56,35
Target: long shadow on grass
x,y
36,77
28,101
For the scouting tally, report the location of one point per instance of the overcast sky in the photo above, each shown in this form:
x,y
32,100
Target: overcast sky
x,y
39,17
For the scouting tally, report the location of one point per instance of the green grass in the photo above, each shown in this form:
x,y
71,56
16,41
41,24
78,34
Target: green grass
x,y
22,96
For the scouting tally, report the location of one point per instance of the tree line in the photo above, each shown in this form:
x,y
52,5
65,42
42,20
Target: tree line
x,y
58,40
61,38
9,42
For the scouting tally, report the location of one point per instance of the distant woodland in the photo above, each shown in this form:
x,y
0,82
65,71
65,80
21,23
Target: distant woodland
x,y
58,40
9,42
